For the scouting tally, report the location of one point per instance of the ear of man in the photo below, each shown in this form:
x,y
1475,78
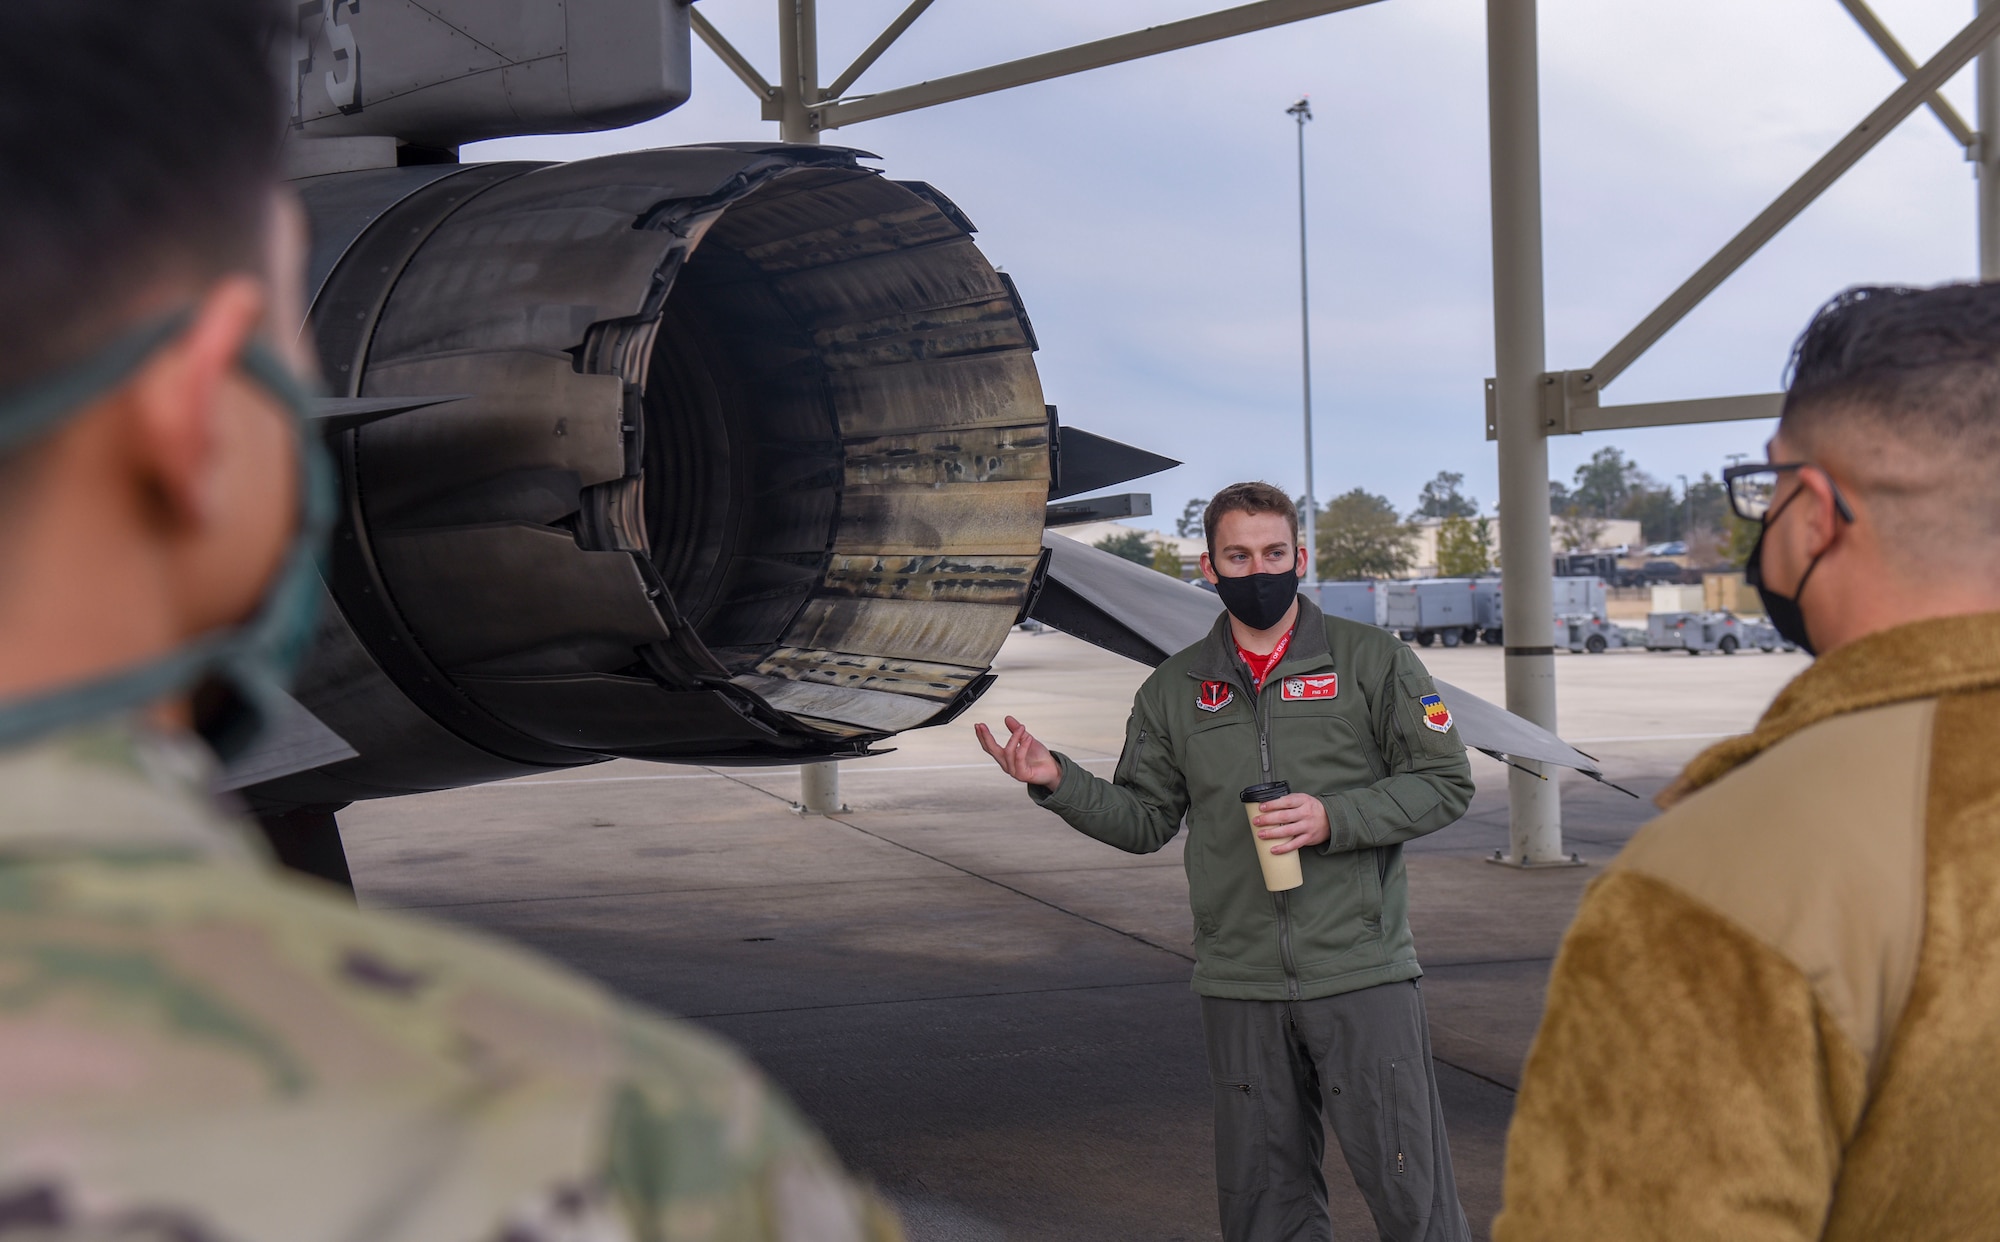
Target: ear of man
x,y
220,454
159,512
174,414
1808,525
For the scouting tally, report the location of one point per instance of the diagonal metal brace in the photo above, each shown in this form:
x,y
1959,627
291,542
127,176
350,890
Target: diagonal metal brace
x,y
1170,36
1906,65
738,63
1860,140
873,53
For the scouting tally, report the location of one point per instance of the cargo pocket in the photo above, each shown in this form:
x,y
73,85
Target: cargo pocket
x,y
1137,739
1406,1124
1239,1137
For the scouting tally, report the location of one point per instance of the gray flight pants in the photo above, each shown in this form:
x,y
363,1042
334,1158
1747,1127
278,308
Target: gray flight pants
x,y
1359,1062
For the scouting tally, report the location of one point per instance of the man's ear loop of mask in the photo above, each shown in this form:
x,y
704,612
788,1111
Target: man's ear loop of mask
x,y
240,673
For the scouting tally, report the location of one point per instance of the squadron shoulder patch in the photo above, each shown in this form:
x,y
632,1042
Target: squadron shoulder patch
x,y
1436,715
1215,695
1324,686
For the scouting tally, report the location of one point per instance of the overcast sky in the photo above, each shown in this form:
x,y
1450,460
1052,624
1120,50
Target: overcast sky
x,y
1148,211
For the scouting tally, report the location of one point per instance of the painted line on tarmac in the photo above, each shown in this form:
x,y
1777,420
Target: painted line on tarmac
x,y
864,770
718,776
952,996
1651,737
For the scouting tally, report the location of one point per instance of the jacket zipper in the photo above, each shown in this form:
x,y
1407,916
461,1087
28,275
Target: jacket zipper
x,y
1281,900
1263,729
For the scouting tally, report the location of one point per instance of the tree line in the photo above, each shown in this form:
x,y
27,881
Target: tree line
x,y
1611,485
1364,535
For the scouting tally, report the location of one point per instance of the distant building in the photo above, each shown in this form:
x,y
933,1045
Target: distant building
x,y
1603,535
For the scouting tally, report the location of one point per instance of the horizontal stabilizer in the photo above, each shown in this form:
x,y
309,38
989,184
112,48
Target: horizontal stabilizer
x,y
1493,729
335,414
1088,463
1099,509
1144,615
293,740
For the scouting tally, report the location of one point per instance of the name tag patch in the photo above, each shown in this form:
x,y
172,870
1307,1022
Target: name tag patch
x,y
1215,695
1325,686
1437,717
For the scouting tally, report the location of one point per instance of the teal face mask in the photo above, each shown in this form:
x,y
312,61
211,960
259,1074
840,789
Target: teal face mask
x,y
240,672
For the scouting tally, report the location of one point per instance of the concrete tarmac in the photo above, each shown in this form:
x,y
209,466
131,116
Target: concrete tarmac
x,y
986,1012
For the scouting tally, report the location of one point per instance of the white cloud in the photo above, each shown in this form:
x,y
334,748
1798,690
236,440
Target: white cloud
x,y
1148,210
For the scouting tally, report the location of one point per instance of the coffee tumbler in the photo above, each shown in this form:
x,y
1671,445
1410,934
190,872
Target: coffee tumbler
x,y
1281,871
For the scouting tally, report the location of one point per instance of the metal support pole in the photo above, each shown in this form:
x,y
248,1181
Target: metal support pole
x,y
798,70
1534,804
1987,145
819,788
1302,112
798,95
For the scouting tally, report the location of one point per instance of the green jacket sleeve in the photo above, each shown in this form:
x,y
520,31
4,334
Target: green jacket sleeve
x,y
1140,808
1429,783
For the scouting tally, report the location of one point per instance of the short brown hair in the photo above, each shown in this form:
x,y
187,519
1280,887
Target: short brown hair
x,y
1901,388
1252,498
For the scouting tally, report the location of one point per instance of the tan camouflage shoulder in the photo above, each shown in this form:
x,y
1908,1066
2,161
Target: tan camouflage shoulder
x,y
195,1047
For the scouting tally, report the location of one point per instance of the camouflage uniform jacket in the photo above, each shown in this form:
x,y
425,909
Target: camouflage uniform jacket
x,y
194,1047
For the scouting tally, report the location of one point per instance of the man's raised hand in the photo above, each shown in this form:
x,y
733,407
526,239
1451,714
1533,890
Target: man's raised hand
x,y
1021,756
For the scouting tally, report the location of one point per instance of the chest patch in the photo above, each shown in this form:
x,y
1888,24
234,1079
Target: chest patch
x,y
1324,686
1215,695
1437,717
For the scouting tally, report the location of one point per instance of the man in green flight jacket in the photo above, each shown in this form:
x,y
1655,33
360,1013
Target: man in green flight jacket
x,y
1309,999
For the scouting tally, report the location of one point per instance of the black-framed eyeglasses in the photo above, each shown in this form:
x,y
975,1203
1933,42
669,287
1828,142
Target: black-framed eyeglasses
x,y
1752,486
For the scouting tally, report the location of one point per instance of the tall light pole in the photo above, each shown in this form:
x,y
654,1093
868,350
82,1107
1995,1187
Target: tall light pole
x,y
1687,504
1302,112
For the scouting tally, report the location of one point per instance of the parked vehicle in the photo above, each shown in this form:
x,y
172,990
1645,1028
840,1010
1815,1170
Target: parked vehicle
x,y
1589,565
1431,610
1655,573
1361,601
1696,632
1577,593
1588,633
1764,636
1486,599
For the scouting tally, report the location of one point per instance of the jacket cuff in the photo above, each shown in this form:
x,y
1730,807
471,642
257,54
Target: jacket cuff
x,y
1340,834
1063,797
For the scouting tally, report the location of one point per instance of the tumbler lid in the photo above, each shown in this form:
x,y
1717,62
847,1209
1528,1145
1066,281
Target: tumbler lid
x,y
1266,793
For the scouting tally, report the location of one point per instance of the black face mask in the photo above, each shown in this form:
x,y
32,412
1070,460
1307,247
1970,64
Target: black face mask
x,y
1258,600
1786,616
